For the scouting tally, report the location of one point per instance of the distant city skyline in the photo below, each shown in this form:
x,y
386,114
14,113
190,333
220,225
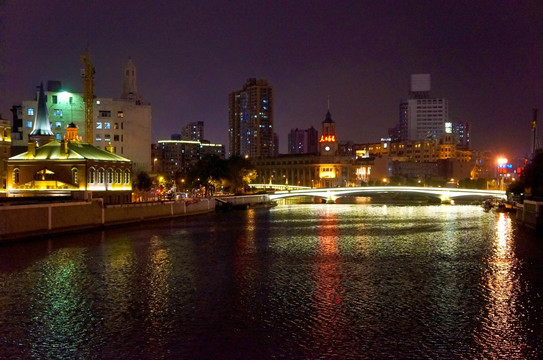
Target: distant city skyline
x,y
485,59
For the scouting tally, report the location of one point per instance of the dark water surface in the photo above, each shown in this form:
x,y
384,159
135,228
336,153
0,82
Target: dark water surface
x,y
295,282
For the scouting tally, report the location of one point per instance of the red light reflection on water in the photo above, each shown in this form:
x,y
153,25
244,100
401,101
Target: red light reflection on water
x,y
329,293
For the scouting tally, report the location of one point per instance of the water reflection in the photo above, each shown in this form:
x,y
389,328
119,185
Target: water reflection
x,y
502,333
329,319
315,281
61,317
158,293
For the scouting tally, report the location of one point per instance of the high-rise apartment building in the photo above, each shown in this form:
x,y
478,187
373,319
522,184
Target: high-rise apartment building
x,y
124,123
193,131
250,120
421,116
303,141
462,133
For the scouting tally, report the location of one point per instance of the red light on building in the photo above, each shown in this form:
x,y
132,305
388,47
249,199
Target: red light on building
x,y
328,138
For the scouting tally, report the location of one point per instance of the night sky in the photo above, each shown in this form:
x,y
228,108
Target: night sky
x,y
485,57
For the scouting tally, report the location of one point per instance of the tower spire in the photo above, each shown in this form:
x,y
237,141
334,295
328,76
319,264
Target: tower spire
x,y
130,85
41,133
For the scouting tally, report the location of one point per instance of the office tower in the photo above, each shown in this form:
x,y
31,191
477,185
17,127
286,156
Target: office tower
x,y
421,116
250,120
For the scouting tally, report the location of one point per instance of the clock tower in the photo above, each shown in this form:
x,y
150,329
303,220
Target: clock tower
x,y
328,144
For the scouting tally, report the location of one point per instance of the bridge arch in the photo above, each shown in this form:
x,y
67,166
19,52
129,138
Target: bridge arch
x,y
441,193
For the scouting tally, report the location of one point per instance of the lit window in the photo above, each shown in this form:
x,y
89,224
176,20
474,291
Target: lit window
x,y
30,111
116,126
58,136
91,176
75,180
57,112
107,137
98,102
29,124
101,176
107,125
120,114
98,137
58,124
15,176
109,176
98,125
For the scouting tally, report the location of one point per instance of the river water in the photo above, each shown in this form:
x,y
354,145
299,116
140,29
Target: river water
x,y
328,281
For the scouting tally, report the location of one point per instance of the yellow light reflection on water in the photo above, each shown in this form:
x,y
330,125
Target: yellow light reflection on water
x,y
501,329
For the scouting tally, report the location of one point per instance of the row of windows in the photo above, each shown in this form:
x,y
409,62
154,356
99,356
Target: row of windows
x,y
107,125
95,176
107,137
99,124
109,176
107,113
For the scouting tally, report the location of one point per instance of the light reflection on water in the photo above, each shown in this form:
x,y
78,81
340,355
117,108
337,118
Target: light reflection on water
x,y
303,281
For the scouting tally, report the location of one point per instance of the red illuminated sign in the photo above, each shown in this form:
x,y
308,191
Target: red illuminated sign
x,y
328,138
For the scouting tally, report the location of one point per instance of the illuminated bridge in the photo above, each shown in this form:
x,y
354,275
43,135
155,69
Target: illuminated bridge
x,y
444,194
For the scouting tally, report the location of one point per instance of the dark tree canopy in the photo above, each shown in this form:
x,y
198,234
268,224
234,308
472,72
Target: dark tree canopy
x,y
531,181
211,171
143,181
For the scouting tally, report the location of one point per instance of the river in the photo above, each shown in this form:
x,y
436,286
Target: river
x,y
327,281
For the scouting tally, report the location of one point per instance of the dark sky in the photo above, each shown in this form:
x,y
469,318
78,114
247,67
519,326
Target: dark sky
x,y
485,57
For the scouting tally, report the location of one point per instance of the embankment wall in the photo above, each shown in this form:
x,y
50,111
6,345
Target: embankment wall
x,y
20,221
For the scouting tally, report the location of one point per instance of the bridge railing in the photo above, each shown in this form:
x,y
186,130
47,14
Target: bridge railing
x,y
444,193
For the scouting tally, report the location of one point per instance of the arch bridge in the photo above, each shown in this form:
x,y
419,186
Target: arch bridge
x,y
444,194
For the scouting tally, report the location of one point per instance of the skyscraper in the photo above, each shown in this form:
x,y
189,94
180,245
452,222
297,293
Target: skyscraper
x,y
250,120
421,116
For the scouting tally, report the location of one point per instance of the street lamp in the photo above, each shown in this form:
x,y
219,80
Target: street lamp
x,y
501,171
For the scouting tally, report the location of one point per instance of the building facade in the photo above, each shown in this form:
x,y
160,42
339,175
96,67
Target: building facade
x,y
303,141
5,149
193,131
175,157
50,167
124,122
421,116
325,168
250,120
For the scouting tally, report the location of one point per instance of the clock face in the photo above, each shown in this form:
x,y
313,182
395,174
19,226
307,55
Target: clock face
x,y
327,148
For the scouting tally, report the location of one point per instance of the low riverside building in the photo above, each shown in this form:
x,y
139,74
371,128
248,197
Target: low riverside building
x,y
326,169
313,170
5,149
124,122
69,166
